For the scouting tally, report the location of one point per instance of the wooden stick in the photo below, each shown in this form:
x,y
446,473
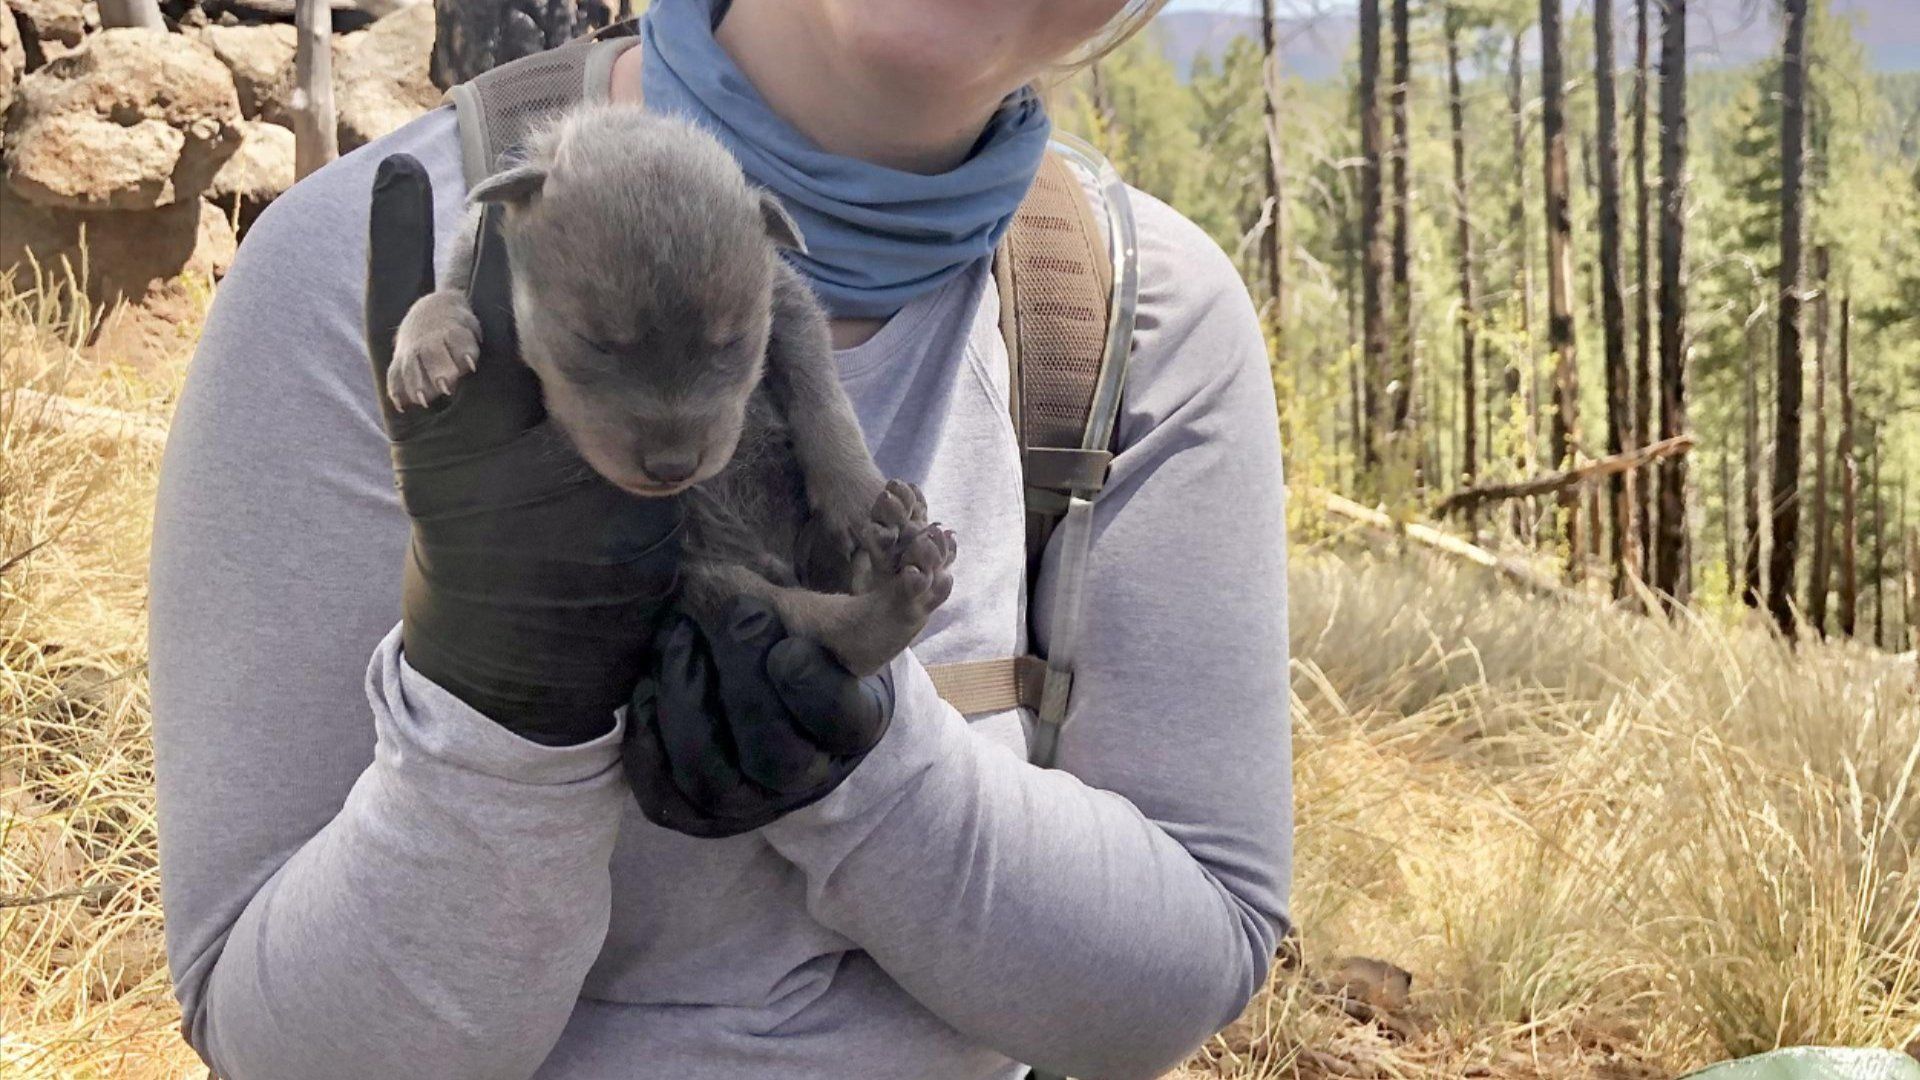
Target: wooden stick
x,y
144,14
1473,497
316,139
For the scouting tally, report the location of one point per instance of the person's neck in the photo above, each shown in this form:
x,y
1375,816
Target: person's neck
x,y
844,103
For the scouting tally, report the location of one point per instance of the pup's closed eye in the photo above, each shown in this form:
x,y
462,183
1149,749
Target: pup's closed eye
x,y
603,346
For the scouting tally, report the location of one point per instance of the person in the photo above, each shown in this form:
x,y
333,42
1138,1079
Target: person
x,y
366,874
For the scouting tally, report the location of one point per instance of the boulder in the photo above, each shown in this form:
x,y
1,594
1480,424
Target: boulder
x,y
61,21
380,80
261,169
136,119
13,58
50,29
260,58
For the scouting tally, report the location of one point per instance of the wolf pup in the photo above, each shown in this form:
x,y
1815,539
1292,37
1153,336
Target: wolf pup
x,y
682,356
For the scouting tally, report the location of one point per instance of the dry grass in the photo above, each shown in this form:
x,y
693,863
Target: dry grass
x,y
1607,847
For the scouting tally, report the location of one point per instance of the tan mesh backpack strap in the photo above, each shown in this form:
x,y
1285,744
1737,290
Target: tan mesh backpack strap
x,y
499,108
1057,283
1055,279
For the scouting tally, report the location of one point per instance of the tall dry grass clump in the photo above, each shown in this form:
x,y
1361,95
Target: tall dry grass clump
x,y
83,989
1606,845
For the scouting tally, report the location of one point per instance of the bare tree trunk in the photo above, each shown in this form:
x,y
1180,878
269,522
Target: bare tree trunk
x,y
1356,360
1672,572
1565,437
1276,237
1752,584
1850,484
316,137
1521,366
1643,374
1790,375
1404,388
1729,535
144,14
1463,241
1911,604
1820,567
1613,316
1880,550
472,36
1374,271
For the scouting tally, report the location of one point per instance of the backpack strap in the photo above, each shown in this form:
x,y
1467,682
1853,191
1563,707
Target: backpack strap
x,y
1068,285
499,108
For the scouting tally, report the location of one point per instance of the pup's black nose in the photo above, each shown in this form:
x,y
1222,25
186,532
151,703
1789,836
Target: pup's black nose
x,y
669,467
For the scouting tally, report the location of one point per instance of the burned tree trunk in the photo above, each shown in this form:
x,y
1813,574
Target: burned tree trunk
x,y
1403,388
1672,572
1752,587
1789,376
1643,376
472,36
1520,374
1373,268
1729,536
1564,439
1849,482
1613,316
1463,241
1820,565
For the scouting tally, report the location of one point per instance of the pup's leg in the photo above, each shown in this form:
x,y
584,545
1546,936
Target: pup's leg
x,y
863,631
439,340
841,478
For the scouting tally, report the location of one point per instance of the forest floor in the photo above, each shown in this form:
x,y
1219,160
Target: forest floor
x,y
1606,847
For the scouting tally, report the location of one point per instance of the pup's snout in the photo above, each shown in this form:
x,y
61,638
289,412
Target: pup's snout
x,y
670,467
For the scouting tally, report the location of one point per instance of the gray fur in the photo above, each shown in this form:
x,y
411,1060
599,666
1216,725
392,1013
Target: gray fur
x,y
683,357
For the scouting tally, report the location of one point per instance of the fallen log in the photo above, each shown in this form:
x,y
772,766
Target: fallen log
x,y
1433,539
90,420
1472,498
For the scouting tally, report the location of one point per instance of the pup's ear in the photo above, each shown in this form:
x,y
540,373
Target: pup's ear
x,y
514,187
780,227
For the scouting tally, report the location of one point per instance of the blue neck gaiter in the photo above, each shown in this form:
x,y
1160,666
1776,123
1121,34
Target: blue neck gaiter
x,y
876,237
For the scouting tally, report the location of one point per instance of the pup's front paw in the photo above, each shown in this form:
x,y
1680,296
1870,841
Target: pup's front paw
x,y
438,343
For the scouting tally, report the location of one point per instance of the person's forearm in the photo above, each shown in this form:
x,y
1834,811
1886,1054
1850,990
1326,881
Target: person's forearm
x,y
1043,917
440,925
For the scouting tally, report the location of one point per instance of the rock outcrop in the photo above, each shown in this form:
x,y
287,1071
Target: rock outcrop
x,y
137,119
129,156
13,56
260,59
380,79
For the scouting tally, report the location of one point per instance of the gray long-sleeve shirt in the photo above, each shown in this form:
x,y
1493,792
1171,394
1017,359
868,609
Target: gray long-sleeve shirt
x,y
363,877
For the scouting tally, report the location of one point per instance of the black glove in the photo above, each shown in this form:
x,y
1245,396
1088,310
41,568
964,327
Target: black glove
x,y
741,724
533,587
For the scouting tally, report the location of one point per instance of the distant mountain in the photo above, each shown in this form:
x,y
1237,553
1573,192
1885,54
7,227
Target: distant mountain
x,y
1721,33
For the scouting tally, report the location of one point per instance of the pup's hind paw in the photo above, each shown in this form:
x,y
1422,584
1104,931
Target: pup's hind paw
x,y
438,343
908,559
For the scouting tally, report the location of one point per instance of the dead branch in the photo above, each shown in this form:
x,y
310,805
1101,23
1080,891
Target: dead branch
x,y
1472,498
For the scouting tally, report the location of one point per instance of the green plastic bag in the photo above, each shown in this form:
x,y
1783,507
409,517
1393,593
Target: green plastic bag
x,y
1815,1063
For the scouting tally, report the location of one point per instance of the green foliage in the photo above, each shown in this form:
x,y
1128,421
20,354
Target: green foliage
x,y
1201,146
